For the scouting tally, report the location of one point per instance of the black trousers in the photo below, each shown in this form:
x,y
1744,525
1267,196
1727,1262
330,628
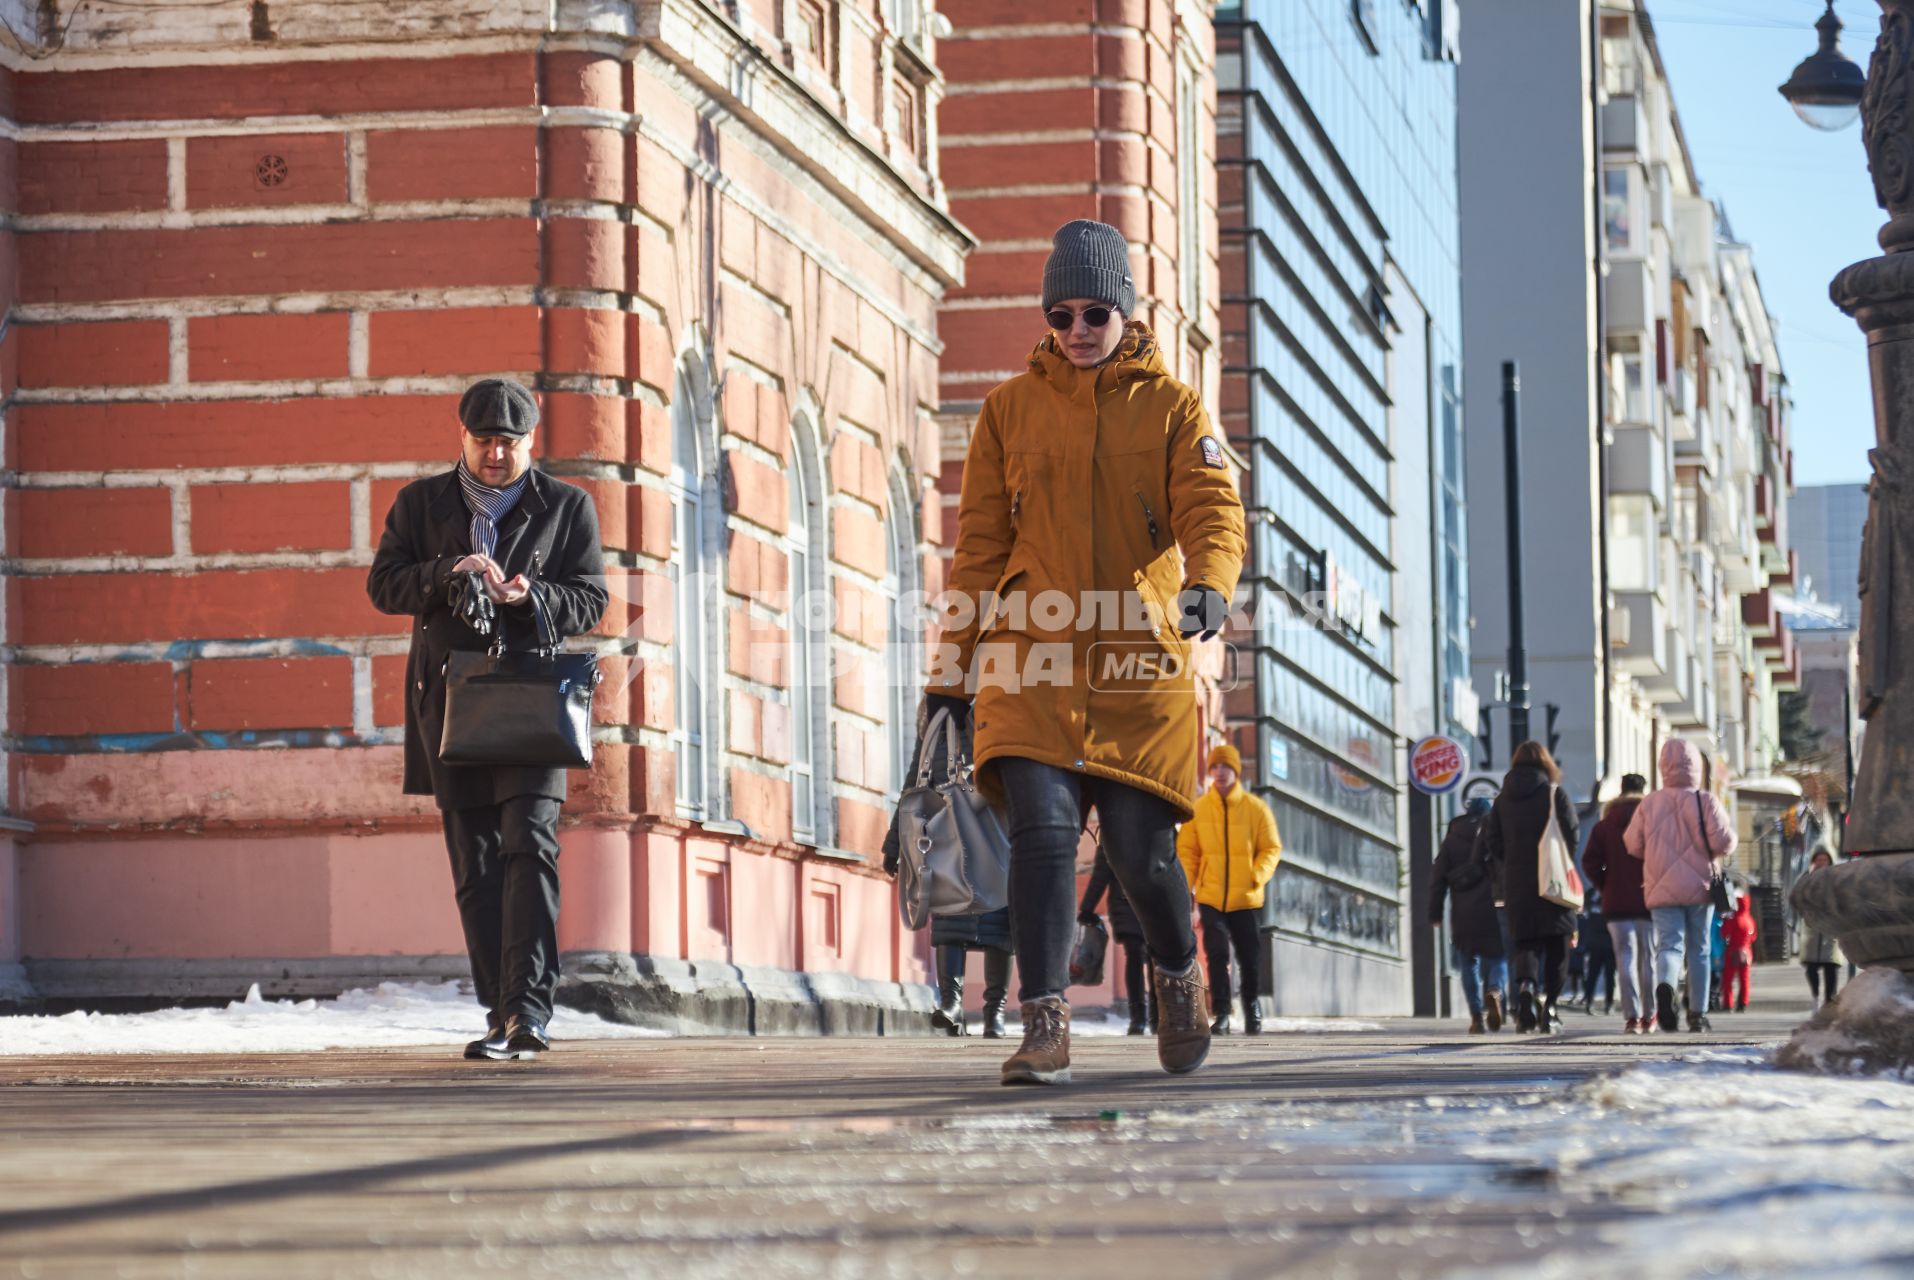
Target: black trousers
x,y
1221,930
1047,808
952,960
1543,964
1819,972
505,875
1137,982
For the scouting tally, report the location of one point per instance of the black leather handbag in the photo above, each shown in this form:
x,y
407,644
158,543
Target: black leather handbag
x,y
526,709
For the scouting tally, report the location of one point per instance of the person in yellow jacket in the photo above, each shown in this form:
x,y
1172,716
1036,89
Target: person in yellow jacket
x,y
1229,850
1099,538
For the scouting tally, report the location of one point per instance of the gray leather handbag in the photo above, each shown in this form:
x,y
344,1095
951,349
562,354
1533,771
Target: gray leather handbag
x,y
954,849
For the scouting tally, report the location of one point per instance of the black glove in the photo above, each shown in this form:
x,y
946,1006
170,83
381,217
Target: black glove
x,y
1204,612
465,596
1086,918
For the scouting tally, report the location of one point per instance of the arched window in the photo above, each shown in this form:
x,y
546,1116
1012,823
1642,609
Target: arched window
x,y
695,563
904,654
809,620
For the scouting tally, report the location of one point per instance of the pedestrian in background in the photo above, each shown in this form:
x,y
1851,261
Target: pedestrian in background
x,y
1820,952
1597,950
1229,850
1738,939
1607,864
1683,837
1531,798
1093,473
1128,931
492,542
1475,934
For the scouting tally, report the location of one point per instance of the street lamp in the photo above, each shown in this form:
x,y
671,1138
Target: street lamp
x,y
1867,901
1825,90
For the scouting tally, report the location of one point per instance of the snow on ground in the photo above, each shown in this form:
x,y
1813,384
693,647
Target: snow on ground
x,y
1751,1171
391,1013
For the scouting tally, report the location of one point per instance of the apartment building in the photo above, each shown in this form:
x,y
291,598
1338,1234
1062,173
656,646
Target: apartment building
x,y
1655,410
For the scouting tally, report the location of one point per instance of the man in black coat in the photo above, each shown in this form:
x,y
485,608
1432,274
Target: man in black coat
x,y
492,536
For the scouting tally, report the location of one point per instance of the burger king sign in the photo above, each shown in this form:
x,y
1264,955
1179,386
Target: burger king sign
x,y
1437,765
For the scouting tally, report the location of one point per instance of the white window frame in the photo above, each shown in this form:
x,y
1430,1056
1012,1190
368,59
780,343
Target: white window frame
x,y
696,561
904,654
809,631
1189,186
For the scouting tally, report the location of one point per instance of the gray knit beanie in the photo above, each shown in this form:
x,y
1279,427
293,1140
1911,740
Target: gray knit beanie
x,y
1089,260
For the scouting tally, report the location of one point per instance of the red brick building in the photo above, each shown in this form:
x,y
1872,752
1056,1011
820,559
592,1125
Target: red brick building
x,y
252,254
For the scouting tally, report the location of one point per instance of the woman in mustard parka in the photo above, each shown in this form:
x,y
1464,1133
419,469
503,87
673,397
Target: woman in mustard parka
x,y
1099,535
1229,850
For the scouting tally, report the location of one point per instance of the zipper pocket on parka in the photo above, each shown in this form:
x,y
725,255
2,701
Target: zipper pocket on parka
x,y
1150,517
1016,507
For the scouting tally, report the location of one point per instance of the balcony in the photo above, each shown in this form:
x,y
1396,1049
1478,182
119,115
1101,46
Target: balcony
x,y
1681,403
1759,616
1638,632
1631,297
1636,464
1786,577
1674,683
1624,126
1789,680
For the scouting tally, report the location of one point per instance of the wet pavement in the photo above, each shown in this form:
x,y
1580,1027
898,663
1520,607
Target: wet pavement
x,y
1373,1153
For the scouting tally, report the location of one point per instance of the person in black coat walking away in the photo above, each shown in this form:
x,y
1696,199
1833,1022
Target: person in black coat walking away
x,y
1476,933
1597,950
1129,934
1530,799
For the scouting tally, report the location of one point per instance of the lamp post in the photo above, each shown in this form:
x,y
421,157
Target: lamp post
x,y
1868,901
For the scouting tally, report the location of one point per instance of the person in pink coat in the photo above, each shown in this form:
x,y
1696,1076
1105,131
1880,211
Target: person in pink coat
x,y
1683,837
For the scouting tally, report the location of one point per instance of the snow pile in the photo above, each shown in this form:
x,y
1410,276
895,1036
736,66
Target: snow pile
x,y
1868,1030
391,1013
1722,1147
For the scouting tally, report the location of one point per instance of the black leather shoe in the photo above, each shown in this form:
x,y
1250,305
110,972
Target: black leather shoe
x,y
1253,1019
1220,1025
525,1036
490,1047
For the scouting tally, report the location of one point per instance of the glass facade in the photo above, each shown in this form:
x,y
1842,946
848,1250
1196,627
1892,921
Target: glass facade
x,y
1342,318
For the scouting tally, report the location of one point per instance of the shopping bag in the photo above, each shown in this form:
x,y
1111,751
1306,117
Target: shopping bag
x,y
1555,871
1086,958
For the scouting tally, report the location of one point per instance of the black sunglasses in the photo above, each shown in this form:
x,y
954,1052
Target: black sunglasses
x,y
1061,320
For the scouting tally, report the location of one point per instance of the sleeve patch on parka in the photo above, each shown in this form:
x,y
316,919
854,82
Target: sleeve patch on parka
x,y
1212,452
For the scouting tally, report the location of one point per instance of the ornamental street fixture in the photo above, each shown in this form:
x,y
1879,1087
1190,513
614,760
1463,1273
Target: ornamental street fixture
x,y
1825,90
1867,901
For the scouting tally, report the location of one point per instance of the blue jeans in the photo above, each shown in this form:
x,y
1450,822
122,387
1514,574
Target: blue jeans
x,y
1479,973
1679,931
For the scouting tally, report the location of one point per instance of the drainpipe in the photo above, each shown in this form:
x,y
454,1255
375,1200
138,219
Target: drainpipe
x,y
1605,705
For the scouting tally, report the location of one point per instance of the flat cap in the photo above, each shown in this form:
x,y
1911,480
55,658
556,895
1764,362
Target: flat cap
x,y
498,407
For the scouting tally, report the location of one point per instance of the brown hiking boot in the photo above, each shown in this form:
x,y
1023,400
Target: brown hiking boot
x,y
1183,1025
1475,1024
1044,1056
1492,1010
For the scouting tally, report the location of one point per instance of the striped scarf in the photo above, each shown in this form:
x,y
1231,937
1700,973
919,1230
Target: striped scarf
x,y
488,506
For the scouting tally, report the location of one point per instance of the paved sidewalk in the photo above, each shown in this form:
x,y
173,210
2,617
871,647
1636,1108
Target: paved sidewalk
x,y
1290,1154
